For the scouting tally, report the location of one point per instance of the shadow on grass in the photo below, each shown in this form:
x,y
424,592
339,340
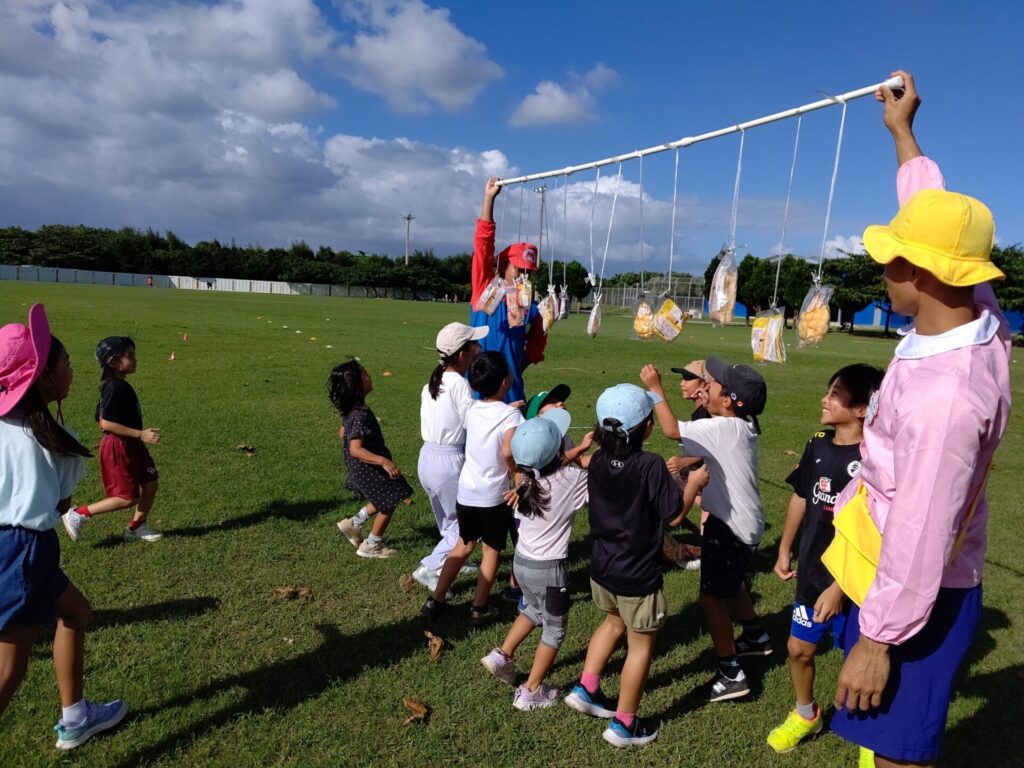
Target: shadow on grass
x,y
185,608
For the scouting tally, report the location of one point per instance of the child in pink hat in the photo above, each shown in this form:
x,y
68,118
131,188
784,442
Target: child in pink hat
x,y
41,462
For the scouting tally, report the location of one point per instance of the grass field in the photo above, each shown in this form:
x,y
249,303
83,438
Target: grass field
x,y
218,672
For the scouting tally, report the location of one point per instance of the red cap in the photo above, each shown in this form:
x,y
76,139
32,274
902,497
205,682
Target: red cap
x,y
521,255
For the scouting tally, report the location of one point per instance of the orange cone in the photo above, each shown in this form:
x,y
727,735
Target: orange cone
x,y
185,337
172,358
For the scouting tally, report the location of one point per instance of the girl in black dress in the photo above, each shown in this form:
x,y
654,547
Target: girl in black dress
x,y
371,472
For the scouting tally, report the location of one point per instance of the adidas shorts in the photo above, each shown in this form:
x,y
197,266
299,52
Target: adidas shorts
x,y
804,627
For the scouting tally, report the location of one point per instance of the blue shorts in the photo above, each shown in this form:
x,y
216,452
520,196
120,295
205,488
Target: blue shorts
x,y
31,580
804,627
910,723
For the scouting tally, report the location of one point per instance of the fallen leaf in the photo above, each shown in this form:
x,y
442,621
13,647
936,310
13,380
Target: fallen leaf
x,y
290,593
248,450
418,709
407,583
288,640
436,645
790,453
387,373
305,592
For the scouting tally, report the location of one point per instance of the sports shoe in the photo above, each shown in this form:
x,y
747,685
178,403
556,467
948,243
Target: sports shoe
x,y
479,616
786,737
501,666
866,758
640,732
595,704
689,565
100,717
73,523
428,579
468,568
374,550
512,595
722,688
142,533
526,700
762,646
350,532
431,608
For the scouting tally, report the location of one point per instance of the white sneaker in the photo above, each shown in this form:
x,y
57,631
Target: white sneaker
x,y
350,532
428,579
142,533
73,523
469,569
373,551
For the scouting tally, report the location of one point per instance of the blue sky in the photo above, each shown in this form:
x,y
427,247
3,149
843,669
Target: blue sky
x,y
277,120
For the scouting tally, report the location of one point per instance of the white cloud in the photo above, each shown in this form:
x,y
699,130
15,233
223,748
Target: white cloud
x,y
279,95
840,246
413,56
552,104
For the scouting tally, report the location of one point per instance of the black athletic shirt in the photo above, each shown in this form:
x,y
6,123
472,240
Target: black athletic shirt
x,y
823,472
119,404
630,502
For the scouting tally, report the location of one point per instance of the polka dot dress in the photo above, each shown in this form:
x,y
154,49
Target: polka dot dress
x,y
368,480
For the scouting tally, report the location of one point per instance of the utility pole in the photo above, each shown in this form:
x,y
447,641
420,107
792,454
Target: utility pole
x,y
408,223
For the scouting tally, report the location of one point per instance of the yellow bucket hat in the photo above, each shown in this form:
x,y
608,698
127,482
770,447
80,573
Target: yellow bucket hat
x,y
945,233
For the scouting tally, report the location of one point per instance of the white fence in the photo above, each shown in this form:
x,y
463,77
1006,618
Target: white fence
x,y
187,282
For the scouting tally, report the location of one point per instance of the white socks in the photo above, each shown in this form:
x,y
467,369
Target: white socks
x,y
360,518
806,711
76,713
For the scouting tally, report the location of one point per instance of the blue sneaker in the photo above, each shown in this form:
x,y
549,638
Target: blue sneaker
x,y
100,717
594,704
641,732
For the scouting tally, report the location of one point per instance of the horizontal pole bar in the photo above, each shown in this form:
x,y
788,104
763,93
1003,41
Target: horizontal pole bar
x,y
893,82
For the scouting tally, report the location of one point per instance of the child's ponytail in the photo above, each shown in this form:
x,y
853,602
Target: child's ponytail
x,y
444,363
534,498
618,443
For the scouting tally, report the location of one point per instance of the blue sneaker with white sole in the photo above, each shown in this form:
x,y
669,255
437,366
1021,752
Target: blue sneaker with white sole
x,y
639,733
100,717
595,704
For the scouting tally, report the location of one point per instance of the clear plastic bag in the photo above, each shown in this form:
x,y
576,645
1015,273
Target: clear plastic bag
x,y
722,299
516,314
548,308
524,291
669,320
563,303
643,317
812,322
766,336
594,321
491,296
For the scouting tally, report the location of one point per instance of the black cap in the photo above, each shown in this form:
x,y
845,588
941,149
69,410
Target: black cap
x,y
112,346
744,385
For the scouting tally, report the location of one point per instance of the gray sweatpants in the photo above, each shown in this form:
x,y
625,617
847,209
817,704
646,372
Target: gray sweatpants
x,y
545,586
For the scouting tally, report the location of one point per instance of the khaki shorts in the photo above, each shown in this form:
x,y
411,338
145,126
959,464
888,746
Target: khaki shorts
x,y
640,614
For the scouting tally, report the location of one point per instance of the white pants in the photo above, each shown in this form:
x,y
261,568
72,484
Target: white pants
x,y
438,469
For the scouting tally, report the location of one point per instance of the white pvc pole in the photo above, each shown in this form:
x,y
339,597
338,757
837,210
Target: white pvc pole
x,y
893,82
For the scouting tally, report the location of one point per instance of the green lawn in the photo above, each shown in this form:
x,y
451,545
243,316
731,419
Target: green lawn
x,y
218,672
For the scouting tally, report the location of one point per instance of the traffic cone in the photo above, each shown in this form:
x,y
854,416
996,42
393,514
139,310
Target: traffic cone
x,y
172,357
185,337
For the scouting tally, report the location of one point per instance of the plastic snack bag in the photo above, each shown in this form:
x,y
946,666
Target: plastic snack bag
x,y
766,337
669,320
524,291
643,318
492,295
548,308
812,322
516,314
722,299
563,303
594,321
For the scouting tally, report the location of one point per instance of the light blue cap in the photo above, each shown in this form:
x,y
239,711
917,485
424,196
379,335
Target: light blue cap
x,y
536,441
626,403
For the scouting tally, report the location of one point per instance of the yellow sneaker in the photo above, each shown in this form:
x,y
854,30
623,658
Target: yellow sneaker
x,y
795,729
866,759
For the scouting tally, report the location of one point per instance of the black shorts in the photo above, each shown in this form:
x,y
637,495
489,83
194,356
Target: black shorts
x,y
724,560
491,525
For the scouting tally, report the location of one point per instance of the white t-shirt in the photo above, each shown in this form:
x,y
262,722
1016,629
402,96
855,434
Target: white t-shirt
x,y
547,538
32,479
728,445
484,477
443,420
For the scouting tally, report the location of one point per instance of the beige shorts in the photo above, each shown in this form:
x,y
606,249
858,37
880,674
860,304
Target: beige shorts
x,y
640,614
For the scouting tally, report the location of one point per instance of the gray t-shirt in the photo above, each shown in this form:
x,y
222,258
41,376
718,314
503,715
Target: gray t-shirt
x,y
728,446
547,538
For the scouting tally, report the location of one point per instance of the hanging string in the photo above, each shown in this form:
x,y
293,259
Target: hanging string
x,y
565,230
672,237
641,224
831,192
551,261
529,208
608,237
501,223
593,206
519,232
736,193
785,216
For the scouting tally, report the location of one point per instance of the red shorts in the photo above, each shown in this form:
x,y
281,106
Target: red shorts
x,y
125,464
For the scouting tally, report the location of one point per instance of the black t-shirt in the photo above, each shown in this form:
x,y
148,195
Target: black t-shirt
x,y
823,472
630,502
700,412
119,404
362,423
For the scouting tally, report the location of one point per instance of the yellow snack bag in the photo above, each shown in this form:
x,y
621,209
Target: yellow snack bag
x,y
669,320
766,337
812,322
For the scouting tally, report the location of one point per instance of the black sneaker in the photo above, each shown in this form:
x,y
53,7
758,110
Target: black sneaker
x,y
762,646
481,615
641,732
722,688
512,595
431,609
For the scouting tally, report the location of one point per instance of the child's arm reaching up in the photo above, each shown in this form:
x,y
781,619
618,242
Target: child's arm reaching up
x,y
358,452
651,378
151,435
575,454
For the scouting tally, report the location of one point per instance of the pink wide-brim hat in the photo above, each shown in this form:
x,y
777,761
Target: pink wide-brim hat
x,y
23,353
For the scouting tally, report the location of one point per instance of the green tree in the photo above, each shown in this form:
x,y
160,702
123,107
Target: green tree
x,y
755,280
858,281
1010,291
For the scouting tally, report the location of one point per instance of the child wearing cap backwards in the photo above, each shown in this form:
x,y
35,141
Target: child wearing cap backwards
x,y
516,332
129,475
728,443
41,462
632,498
929,437
483,513
371,472
829,461
444,402
548,495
